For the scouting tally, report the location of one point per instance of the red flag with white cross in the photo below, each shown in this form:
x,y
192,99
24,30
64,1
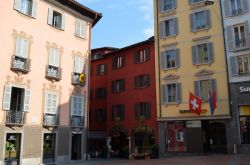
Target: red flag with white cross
x,y
194,103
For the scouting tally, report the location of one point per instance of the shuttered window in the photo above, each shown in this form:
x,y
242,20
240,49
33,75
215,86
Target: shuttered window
x,y
143,109
101,93
141,56
170,59
77,106
22,47
118,62
27,7
101,115
56,19
203,53
169,28
240,65
78,65
203,88
142,81
118,112
166,5
80,28
118,86
101,69
54,57
200,20
171,93
51,103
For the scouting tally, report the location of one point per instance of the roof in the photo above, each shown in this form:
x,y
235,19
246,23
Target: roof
x,y
95,16
105,48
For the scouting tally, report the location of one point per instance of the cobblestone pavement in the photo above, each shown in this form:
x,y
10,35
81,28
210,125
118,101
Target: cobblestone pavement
x,y
178,160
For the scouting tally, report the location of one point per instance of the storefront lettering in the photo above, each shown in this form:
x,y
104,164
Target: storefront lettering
x,y
188,111
244,89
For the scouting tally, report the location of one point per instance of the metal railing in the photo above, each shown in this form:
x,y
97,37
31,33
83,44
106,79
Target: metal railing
x,y
53,72
20,64
75,79
77,121
237,12
50,120
240,43
15,117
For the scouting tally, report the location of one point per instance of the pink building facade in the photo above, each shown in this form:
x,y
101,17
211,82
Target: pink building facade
x,y
45,47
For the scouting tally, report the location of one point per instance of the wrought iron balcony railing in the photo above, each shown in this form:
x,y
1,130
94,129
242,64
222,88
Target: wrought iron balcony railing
x,y
75,80
53,72
14,117
77,121
50,120
240,43
237,12
20,64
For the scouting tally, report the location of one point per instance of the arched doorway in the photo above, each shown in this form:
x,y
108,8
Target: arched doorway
x,y
119,142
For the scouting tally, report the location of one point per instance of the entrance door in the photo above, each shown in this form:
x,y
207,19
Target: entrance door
x,y
176,136
12,148
49,146
214,136
76,143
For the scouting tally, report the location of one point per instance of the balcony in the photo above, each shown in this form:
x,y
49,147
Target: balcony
x,y
20,64
54,73
77,121
50,120
76,79
15,117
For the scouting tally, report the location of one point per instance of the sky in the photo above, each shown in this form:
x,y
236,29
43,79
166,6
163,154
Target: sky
x,y
124,22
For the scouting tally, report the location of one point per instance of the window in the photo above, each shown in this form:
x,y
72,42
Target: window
x,y
27,7
202,53
166,5
142,81
143,109
56,19
200,20
77,106
204,88
80,28
171,93
170,59
101,115
118,62
118,86
236,7
101,69
195,1
240,36
141,56
240,65
244,112
169,28
101,93
51,103
118,112
78,70
53,69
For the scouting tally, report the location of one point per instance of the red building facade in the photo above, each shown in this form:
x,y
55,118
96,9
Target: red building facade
x,y
123,99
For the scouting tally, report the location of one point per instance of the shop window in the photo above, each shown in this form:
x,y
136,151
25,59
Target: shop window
x,y
244,112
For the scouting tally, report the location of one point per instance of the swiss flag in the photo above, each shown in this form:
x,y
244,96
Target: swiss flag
x,y
194,103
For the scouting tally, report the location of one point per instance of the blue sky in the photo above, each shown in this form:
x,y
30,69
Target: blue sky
x,y
124,22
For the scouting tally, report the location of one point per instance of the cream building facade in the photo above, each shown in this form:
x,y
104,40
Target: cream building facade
x,y
190,57
45,48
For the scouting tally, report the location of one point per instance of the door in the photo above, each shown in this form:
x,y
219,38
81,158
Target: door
x,y
176,136
76,145
12,149
49,146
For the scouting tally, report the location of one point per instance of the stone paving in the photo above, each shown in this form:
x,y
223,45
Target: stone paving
x,y
178,160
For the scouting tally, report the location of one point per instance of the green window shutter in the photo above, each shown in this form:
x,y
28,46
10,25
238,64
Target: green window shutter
x,y
7,97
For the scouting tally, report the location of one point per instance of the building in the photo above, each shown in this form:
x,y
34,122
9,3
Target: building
x,y
122,106
236,18
45,49
190,57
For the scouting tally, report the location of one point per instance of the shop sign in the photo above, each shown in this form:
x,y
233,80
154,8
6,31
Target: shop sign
x,y
244,89
188,111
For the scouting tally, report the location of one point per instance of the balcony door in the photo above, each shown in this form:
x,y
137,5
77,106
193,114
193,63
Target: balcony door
x,y
76,145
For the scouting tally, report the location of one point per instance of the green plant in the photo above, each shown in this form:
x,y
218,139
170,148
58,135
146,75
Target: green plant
x,y
9,147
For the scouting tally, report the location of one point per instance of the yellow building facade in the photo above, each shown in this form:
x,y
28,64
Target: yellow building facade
x,y
190,57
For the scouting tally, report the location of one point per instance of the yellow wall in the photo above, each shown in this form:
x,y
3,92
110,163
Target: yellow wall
x,y
187,70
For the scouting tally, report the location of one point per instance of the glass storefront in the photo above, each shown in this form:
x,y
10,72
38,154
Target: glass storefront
x,y
244,112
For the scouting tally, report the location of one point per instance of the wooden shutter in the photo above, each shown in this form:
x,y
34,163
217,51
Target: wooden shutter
x,y
83,29
54,105
192,22
122,83
7,97
113,86
247,31
73,106
26,105
50,16
195,55
208,19
197,88
136,57
51,57
234,67
17,5
227,9
81,106
137,111
165,94
77,28
147,54
34,9
210,52
230,37
47,106
178,93
63,22
177,57
175,26
245,6
161,5
163,60
163,29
